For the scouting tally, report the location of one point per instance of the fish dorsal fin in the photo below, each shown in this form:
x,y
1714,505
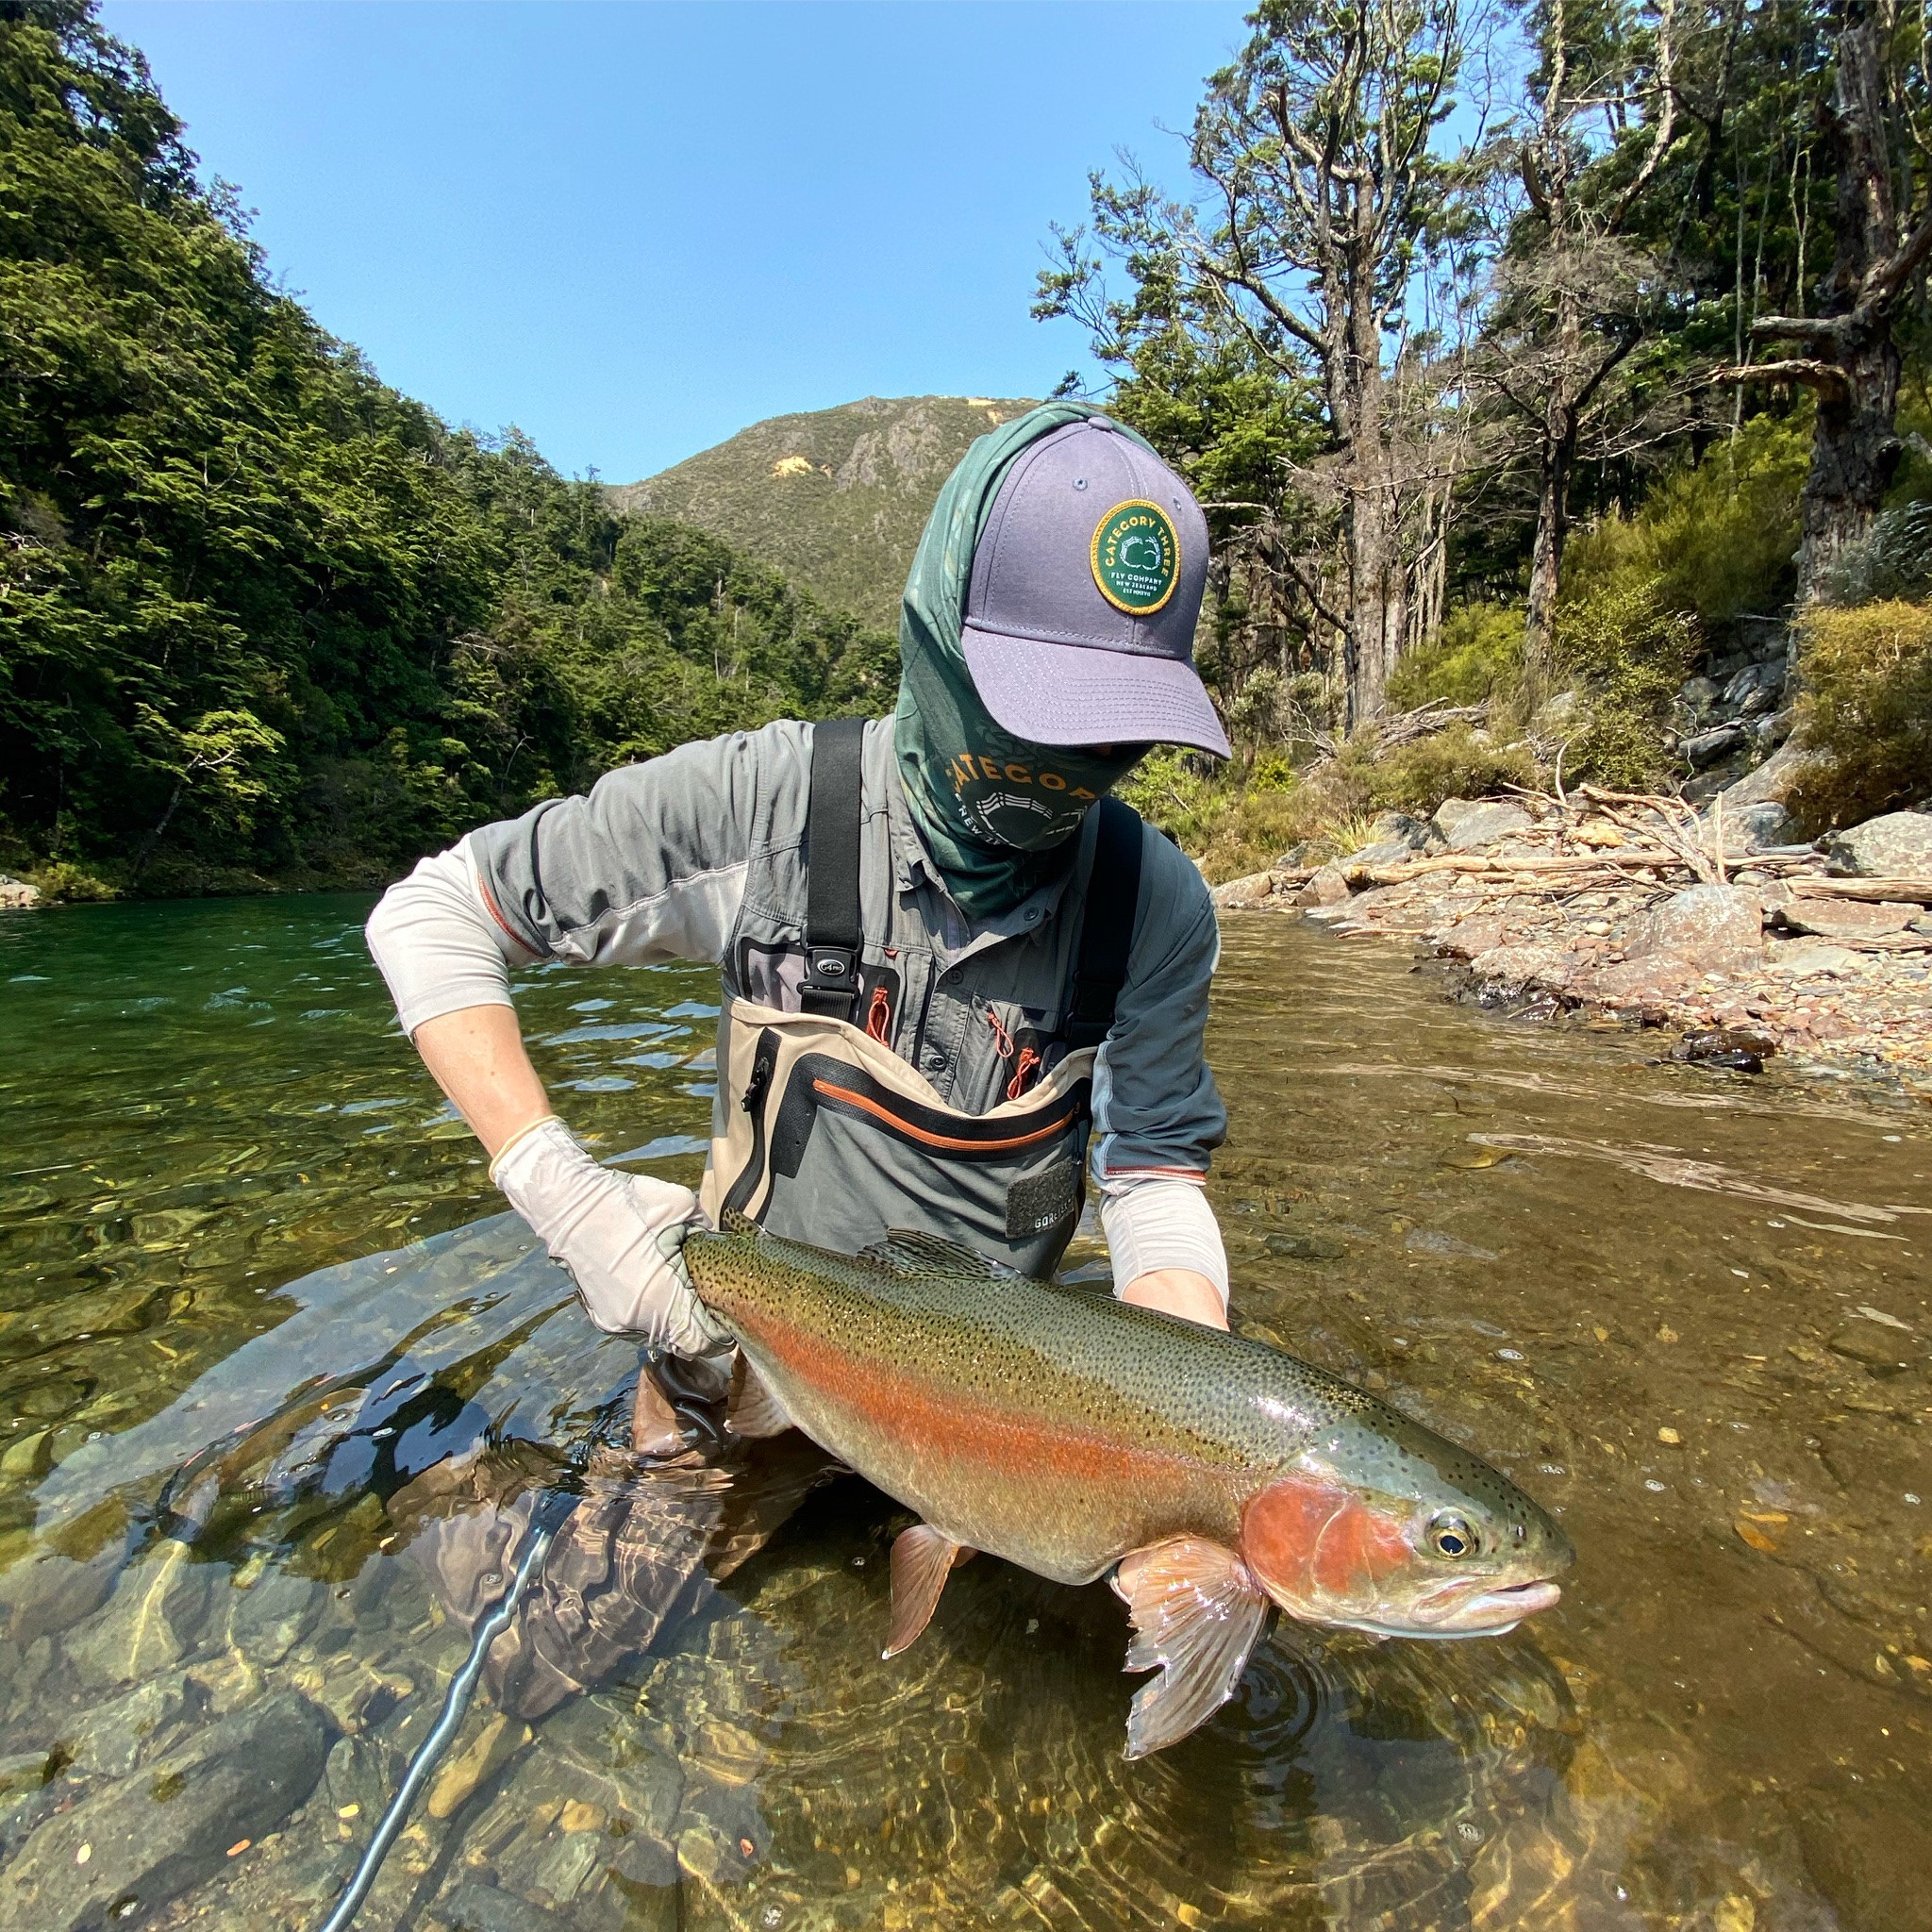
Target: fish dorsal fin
x,y
922,1559
732,1222
910,1251
1197,1614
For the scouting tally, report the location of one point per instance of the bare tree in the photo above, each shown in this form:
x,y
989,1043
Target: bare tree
x,y
1572,294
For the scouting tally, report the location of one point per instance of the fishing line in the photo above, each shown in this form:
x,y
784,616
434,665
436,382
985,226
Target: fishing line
x,y
553,1509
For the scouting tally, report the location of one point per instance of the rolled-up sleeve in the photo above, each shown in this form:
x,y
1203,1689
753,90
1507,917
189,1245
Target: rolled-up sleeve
x,y
649,865
1157,1109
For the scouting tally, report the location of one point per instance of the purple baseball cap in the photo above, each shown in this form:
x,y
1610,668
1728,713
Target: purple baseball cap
x,y
1086,581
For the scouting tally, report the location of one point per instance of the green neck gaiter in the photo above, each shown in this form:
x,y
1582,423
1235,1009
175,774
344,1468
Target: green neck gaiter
x,y
997,813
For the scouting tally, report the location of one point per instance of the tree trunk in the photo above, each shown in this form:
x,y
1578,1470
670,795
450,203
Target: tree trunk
x,y
1855,445
1546,558
1855,450
1366,650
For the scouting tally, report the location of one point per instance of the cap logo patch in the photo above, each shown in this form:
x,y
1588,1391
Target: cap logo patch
x,y
1137,557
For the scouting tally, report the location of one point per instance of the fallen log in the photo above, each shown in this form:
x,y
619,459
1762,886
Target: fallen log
x,y
1875,891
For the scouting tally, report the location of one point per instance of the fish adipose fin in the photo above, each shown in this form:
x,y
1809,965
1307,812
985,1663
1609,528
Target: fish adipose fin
x,y
922,1561
907,1251
1197,1614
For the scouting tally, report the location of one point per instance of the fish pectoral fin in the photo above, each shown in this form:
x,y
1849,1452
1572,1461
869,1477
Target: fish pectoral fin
x,y
910,1251
756,1413
922,1561
1196,1615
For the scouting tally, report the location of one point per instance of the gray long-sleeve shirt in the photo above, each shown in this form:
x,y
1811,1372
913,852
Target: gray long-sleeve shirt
x,y
699,855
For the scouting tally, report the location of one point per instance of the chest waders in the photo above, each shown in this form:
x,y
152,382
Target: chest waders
x,y
829,1137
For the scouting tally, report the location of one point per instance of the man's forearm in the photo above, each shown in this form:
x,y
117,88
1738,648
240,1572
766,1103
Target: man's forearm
x,y
477,1056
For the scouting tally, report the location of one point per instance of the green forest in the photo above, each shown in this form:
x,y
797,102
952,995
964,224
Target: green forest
x,y
264,619
1555,376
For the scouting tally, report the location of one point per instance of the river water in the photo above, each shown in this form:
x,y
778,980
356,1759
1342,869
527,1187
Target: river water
x,y
279,1388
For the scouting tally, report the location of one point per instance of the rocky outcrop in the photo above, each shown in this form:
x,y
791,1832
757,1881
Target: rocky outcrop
x,y
1899,845
17,895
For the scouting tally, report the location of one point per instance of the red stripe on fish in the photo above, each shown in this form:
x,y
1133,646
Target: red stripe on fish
x,y
926,1417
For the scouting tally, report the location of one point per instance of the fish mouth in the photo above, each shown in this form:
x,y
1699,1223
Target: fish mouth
x,y
1468,1610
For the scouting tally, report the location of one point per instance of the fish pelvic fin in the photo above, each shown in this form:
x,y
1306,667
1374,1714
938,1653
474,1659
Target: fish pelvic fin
x,y
756,1411
922,1561
909,1251
1197,1613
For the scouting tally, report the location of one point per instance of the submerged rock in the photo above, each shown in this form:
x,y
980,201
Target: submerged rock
x,y
1897,846
149,1838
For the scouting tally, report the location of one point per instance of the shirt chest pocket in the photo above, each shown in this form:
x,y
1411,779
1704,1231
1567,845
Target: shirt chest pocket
x,y
1014,1046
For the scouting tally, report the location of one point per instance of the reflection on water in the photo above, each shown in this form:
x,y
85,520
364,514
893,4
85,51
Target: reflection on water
x,y
279,1392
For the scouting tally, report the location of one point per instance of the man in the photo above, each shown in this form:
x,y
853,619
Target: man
x,y
955,980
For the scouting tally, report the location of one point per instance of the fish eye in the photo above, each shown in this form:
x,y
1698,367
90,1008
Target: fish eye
x,y
1451,1536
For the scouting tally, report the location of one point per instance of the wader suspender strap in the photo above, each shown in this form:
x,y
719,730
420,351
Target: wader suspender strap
x,y
1106,931
834,925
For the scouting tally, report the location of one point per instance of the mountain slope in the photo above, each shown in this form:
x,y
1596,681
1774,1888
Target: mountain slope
x,y
835,498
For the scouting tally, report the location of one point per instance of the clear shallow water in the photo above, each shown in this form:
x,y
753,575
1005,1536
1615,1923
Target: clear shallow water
x,y
241,1238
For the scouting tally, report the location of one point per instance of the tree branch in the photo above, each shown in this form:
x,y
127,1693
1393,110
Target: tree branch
x,y
1823,376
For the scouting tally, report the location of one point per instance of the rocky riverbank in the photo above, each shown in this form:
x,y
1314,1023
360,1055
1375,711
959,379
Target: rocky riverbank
x,y
1723,929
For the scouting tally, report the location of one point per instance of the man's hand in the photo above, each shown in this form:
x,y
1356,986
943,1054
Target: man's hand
x,y
621,1236
1178,1292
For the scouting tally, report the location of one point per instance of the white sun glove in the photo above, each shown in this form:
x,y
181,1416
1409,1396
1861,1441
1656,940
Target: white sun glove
x,y
621,1236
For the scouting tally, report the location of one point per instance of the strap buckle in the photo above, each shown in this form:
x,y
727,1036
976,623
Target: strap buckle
x,y
833,971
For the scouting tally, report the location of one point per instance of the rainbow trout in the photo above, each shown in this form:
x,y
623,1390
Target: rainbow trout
x,y
1065,1431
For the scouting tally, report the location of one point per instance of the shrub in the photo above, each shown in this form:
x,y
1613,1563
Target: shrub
x,y
66,883
1867,712
1630,652
1712,541
1477,656
1454,763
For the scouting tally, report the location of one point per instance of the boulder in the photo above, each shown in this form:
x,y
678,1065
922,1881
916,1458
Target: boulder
x,y
1698,696
1707,747
1451,814
1488,825
1772,779
1760,827
1516,968
134,1845
1708,927
1417,834
1468,938
16,895
1244,894
1383,852
1845,918
1636,985
1899,845
1329,887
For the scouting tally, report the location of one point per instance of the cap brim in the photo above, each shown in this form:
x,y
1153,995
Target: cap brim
x,y
1078,694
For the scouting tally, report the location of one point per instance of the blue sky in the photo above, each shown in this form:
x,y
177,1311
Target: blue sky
x,y
632,229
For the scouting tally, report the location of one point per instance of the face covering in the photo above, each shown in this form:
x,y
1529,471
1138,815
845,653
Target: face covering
x,y
997,813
